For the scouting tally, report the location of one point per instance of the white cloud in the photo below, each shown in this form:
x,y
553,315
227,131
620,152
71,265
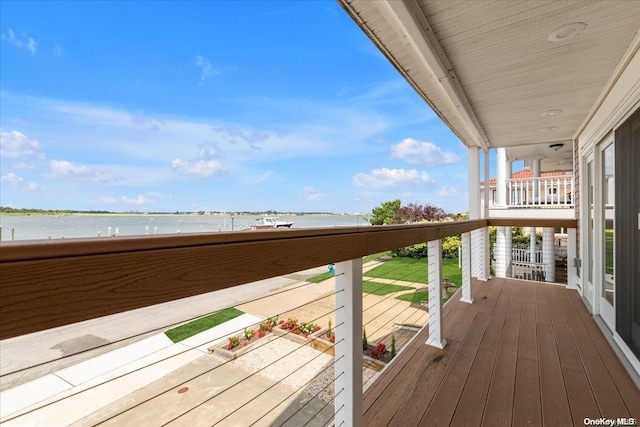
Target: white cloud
x,y
15,144
143,199
257,178
107,200
23,165
23,41
313,195
449,192
57,50
203,168
388,178
64,168
419,152
206,69
205,165
19,183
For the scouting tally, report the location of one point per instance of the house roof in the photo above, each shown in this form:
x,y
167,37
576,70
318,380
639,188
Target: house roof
x,y
527,174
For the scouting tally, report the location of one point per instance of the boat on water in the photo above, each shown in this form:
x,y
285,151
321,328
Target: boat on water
x,y
269,222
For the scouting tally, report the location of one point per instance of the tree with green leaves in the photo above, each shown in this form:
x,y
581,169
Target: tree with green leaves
x,y
386,213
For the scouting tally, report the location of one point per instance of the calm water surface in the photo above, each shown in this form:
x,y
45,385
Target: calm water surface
x,y
33,227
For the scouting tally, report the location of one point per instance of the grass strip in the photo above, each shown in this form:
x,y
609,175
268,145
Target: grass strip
x,y
319,278
190,329
415,297
324,276
381,289
415,270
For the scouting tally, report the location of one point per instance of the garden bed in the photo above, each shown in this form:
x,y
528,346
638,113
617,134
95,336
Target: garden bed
x,y
241,344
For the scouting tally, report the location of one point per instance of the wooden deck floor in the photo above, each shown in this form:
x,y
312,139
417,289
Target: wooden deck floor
x,y
524,353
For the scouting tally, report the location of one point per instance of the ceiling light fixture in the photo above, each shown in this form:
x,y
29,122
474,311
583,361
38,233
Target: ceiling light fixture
x,y
556,146
550,113
567,32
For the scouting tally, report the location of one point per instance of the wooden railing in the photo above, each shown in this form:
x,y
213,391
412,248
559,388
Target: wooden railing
x,y
46,284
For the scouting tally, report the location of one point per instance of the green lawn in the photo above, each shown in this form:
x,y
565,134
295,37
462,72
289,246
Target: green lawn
x,y
320,277
382,288
415,297
324,276
415,270
190,329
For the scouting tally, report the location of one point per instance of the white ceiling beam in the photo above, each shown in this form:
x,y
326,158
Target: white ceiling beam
x,y
408,18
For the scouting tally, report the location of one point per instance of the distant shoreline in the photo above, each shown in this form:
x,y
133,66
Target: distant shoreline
x,y
185,214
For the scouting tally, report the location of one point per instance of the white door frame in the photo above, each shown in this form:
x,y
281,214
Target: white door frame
x,y
603,307
587,234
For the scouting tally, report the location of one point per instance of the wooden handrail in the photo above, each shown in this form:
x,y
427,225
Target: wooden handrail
x,y
45,284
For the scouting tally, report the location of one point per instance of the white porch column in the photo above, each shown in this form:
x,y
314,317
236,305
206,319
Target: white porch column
x,y
465,256
532,245
499,252
501,183
348,349
509,175
535,171
473,170
572,254
486,254
548,254
434,253
508,237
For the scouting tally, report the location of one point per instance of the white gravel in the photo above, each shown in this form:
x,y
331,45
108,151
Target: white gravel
x,y
298,367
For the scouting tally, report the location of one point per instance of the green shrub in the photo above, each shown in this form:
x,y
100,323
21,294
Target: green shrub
x,y
450,245
417,251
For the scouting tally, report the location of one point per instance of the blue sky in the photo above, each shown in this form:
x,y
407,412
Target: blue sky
x,y
227,106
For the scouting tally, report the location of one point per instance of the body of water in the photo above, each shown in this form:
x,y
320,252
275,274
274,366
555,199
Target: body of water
x,y
36,227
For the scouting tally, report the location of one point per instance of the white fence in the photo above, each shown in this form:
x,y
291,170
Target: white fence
x,y
540,192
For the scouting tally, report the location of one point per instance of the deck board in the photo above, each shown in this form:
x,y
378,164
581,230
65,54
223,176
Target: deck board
x,y
621,379
524,353
499,406
555,404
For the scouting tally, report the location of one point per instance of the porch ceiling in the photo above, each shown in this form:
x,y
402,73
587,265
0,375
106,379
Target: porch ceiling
x,y
488,68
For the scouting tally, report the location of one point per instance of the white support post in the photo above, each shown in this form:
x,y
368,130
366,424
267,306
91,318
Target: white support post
x,y
501,181
473,170
548,254
465,259
572,254
486,254
532,244
508,251
499,251
487,177
348,349
434,252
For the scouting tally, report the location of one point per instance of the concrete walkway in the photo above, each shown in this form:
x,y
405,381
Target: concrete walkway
x,y
33,356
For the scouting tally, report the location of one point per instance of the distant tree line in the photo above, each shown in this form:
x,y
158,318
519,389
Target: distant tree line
x,y
392,212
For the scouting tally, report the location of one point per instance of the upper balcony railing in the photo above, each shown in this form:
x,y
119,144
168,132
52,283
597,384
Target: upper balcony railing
x,y
553,192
